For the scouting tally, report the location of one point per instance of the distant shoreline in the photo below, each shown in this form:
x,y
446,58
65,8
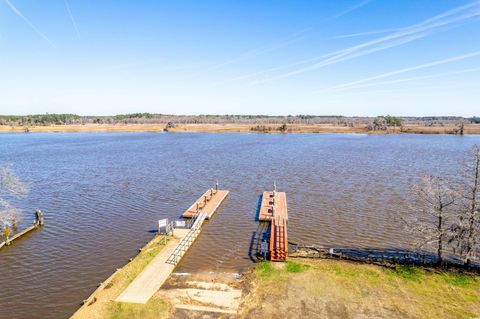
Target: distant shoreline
x,y
230,127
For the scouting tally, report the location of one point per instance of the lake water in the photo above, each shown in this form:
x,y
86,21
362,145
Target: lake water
x,y
102,194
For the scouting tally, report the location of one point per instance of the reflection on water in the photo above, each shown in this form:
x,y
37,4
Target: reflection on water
x,y
102,194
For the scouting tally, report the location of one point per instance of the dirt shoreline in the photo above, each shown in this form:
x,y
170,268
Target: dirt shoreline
x,y
230,127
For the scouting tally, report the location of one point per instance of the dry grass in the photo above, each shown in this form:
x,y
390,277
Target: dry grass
x,y
231,127
104,306
336,289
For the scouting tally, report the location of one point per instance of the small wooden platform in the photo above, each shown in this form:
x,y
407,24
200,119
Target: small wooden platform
x,y
207,203
266,209
278,223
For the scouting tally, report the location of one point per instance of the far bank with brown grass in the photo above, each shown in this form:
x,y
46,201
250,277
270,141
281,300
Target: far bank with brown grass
x,y
231,127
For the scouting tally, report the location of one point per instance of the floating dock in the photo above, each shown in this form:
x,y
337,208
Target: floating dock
x,y
207,203
274,210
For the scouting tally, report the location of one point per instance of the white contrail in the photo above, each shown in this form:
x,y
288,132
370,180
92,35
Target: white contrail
x,y
343,57
263,50
30,24
415,78
348,55
405,70
352,8
282,67
361,34
422,28
74,23
406,35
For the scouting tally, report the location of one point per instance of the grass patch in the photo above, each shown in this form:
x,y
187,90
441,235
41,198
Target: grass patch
x,y
409,273
152,310
296,267
461,280
265,269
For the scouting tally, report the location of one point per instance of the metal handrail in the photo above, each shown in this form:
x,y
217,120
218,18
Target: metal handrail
x,y
187,241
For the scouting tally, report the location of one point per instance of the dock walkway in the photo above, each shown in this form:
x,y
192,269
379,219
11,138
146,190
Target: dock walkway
x,y
207,203
154,275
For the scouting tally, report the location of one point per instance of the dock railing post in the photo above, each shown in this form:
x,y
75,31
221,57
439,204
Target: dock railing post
x,y
274,192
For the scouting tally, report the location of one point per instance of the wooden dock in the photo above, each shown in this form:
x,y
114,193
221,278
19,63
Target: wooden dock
x,y
274,210
36,224
207,203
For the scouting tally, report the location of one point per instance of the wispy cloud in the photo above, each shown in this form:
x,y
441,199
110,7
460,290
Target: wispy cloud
x,y
361,34
74,23
352,8
412,79
408,34
356,83
30,24
263,50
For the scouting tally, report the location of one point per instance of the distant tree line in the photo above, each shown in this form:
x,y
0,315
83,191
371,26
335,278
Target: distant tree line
x,y
39,119
374,123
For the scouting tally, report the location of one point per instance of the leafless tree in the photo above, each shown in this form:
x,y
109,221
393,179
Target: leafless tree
x,y
378,124
10,185
434,198
466,228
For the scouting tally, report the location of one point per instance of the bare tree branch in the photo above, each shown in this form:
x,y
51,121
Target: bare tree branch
x,y
10,184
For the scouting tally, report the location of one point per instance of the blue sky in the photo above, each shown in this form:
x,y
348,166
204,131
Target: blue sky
x,y
348,57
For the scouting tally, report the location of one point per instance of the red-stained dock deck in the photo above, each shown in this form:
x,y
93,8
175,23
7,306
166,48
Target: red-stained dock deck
x,y
207,203
274,209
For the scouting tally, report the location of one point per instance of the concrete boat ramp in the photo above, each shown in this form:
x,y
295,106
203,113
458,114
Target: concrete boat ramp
x,y
154,275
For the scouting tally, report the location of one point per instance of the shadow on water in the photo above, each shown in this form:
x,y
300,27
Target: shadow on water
x,y
259,206
382,256
262,233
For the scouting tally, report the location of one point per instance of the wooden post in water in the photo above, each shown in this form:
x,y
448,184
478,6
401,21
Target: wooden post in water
x,y
7,233
38,217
